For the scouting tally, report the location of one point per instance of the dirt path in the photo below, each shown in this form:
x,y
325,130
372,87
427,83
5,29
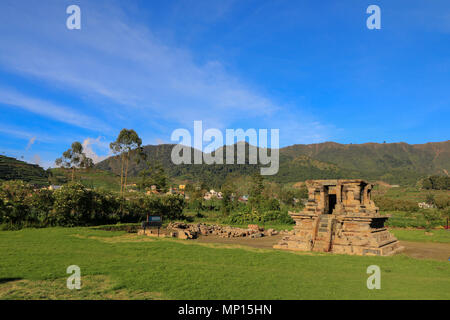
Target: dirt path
x,y
418,250
427,250
260,243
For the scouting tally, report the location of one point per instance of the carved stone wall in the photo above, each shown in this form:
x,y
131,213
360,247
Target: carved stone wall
x,y
340,217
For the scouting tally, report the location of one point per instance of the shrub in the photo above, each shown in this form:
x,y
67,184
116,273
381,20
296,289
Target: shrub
x,y
270,205
430,199
436,183
212,205
388,204
172,206
433,218
278,216
73,205
106,207
14,209
248,216
40,206
196,205
442,201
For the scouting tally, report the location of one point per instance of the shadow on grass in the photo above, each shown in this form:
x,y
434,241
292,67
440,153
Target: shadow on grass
x,y
5,280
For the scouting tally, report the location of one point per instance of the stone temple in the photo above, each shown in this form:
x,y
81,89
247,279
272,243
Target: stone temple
x,y
340,217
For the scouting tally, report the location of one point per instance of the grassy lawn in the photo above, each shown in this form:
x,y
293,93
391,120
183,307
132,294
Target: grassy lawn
x,y
436,235
409,193
117,265
91,178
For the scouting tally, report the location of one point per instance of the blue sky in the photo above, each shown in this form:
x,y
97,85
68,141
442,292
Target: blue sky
x,y
310,68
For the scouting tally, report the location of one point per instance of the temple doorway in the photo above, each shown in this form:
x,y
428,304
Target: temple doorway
x,y
331,203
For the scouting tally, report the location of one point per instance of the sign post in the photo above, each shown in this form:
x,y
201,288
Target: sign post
x,y
152,221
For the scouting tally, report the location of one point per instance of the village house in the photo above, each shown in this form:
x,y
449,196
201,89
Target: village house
x,y
212,194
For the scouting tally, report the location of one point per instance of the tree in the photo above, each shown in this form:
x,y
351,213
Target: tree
x,y
430,199
74,158
227,192
287,196
256,191
426,184
127,141
153,175
436,183
432,218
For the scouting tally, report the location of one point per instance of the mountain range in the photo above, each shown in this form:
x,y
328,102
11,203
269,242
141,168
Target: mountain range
x,y
395,163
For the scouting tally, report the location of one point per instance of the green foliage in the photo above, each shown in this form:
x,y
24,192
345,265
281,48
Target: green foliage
x,y
292,196
153,175
40,206
429,198
127,141
172,206
74,158
278,216
442,201
433,218
76,205
93,178
212,205
436,183
248,216
256,191
226,202
15,209
270,205
422,219
73,205
389,204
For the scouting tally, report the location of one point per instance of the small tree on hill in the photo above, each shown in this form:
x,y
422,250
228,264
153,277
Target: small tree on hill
x,y
124,144
74,158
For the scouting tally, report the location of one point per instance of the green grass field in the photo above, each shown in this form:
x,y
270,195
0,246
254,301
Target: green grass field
x,y
91,178
410,193
435,235
117,265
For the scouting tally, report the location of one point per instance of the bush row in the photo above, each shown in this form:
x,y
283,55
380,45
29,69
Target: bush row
x,y
424,218
436,183
388,204
75,205
251,216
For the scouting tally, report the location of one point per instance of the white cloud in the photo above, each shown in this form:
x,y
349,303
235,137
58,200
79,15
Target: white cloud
x,y
25,134
127,64
37,159
30,143
48,109
100,144
123,69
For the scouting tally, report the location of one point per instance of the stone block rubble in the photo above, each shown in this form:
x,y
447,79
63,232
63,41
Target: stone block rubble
x,y
182,230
